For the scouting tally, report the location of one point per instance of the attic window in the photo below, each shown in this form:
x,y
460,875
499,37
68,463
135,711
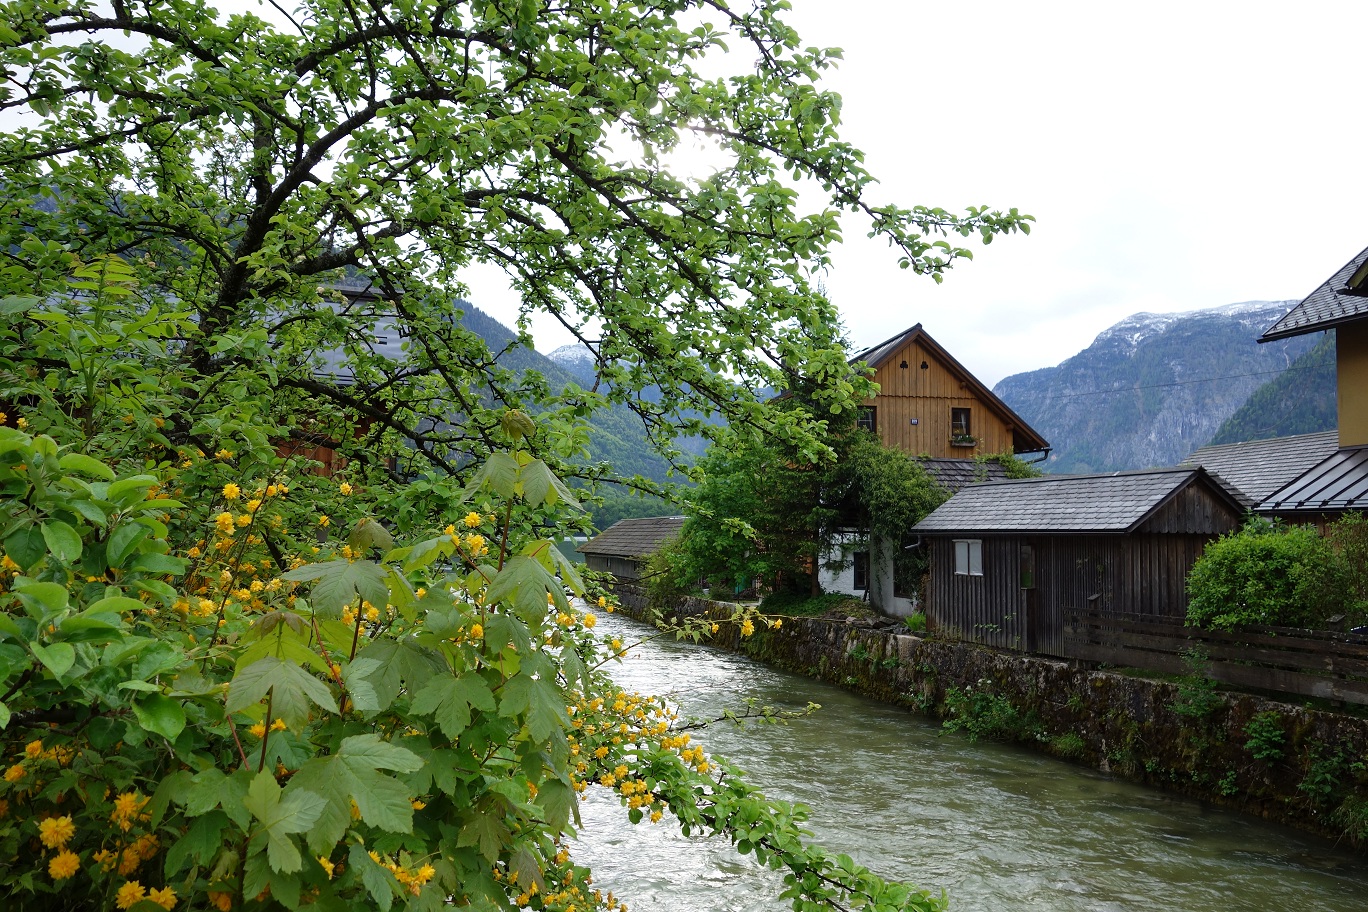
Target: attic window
x,y
865,419
959,422
968,557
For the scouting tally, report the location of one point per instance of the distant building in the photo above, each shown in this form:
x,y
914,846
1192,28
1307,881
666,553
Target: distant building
x,y
930,407
1338,483
1257,468
624,548
1012,560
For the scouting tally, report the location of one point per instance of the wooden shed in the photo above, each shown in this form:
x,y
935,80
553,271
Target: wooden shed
x,y
1012,560
624,547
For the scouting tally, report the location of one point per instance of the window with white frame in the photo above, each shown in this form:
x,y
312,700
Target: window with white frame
x,y
968,557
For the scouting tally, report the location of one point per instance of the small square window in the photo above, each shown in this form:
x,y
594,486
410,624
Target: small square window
x,y
968,557
866,419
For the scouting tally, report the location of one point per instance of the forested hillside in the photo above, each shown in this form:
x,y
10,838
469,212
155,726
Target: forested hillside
x,y
1301,400
1152,388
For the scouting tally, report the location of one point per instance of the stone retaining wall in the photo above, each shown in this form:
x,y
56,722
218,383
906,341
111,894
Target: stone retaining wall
x,y
1299,766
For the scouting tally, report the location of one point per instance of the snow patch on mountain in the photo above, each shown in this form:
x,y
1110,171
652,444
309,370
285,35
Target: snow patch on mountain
x,y
1137,328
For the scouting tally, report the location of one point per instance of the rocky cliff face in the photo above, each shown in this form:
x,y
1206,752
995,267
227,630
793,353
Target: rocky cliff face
x,y
1152,388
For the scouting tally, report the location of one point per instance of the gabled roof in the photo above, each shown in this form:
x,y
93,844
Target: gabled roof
x,y
1067,504
1024,437
1343,298
1335,485
633,537
1257,468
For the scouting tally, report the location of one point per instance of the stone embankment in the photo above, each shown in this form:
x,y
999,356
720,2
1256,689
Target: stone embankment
x,y
1297,765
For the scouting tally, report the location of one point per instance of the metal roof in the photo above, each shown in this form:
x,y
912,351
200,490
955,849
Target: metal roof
x,y
1066,504
1343,298
1336,484
1257,468
633,537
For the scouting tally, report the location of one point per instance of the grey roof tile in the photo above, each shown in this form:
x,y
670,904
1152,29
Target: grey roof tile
x,y
633,537
1065,504
953,474
1328,306
1257,468
1336,484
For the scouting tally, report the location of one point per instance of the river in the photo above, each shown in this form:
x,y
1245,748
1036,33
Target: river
x,y
996,827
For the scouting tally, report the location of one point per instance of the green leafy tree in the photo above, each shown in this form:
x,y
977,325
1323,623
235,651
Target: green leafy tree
x,y
223,684
1268,574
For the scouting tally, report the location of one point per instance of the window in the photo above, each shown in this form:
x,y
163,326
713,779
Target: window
x,y
959,427
861,569
968,557
865,419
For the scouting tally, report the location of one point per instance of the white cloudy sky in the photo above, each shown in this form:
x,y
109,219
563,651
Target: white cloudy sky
x,y
1175,155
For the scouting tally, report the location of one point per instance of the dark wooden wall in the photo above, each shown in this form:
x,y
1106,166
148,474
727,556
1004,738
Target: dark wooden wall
x,y
1140,574
624,568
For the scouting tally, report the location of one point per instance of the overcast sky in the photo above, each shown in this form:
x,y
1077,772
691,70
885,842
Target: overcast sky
x,y
1176,156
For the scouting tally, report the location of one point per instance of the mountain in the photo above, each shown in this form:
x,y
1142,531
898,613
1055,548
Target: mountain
x,y
1152,388
1300,400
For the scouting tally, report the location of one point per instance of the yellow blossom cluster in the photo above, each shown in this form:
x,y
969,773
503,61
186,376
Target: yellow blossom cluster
x,y
410,879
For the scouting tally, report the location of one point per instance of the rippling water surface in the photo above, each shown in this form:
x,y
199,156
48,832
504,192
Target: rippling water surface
x,y
996,827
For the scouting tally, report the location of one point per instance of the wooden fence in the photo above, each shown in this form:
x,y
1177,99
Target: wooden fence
x,y
1332,666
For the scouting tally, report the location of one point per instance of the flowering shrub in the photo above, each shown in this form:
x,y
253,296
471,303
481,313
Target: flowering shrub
x,y
353,726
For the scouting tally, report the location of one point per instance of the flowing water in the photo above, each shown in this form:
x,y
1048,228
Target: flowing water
x,y
996,827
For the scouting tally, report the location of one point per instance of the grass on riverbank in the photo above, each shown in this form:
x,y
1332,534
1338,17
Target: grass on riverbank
x,y
796,604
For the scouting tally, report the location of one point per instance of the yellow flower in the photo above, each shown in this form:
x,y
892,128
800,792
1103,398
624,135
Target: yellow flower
x,y
345,489
589,620
602,602
15,773
327,865
126,808
747,628
714,628
130,894
224,453
55,832
472,519
253,505
34,749
418,805
278,725
324,520
616,644
222,901
476,631
258,730
231,491
64,865
475,543
165,897
244,519
21,423
224,521
776,623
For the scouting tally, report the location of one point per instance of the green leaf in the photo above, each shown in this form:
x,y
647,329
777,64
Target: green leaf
x,y
499,474
539,701
292,689
57,657
449,700
280,819
112,604
44,598
78,462
340,582
62,540
401,663
26,546
123,540
541,486
525,583
161,715
369,534
379,883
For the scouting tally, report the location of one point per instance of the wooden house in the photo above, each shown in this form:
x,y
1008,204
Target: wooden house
x,y
624,547
1339,482
931,405
1013,560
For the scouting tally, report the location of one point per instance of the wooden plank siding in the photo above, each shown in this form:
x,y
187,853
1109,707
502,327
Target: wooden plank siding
x,y
1141,574
907,393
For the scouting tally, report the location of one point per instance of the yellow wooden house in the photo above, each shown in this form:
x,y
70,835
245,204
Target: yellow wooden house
x,y
931,405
